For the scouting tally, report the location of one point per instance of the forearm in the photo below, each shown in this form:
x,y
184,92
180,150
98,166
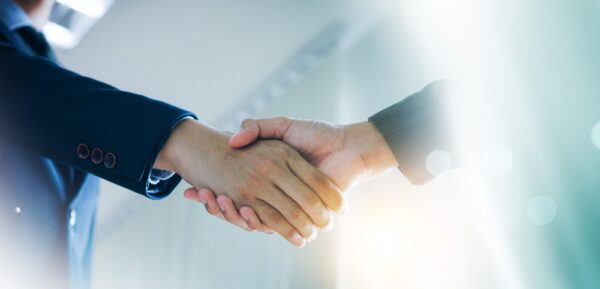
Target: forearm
x,y
53,112
191,143
374,151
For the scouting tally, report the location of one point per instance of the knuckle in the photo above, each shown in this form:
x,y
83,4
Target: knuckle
x,y
313,202
212,211
289,233
246,194
265,165
246,122
296,215
230,217
321,179
271,163
281,150
251,186
248,190
281,121
274,217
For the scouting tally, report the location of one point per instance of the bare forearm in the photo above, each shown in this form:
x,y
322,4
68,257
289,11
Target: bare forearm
x,y
374,151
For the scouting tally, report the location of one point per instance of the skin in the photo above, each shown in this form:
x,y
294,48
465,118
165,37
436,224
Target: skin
x,y
348,154
37,10
289,195
286,192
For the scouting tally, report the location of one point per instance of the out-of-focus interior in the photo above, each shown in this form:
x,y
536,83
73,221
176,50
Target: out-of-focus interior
x,y
522,214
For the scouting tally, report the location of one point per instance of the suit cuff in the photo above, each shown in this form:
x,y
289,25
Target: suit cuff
x,y
157,175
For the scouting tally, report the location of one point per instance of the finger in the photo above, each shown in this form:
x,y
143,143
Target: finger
x,y
253,221
325,188
307,199
272,218
206,197
211,203
192,194
231,213
271,128
248,133
291,212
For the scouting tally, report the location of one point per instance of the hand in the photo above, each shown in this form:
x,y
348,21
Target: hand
x,y
285,191
347,154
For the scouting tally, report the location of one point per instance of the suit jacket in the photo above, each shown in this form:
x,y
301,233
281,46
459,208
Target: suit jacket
x,y
415,127
59,132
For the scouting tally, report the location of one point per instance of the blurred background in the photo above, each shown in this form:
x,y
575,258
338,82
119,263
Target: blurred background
x,y
523,213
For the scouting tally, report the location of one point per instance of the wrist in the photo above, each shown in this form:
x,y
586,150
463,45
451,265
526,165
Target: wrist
x,y
365,139
192,150
168,157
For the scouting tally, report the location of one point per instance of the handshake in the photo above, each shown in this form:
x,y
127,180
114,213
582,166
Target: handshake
x,y
276,175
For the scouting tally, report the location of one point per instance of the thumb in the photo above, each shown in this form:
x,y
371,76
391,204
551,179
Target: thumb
x,y
192,194
271,128
249,132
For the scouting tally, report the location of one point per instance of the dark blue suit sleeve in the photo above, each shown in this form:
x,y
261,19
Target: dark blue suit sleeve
x,y
51,110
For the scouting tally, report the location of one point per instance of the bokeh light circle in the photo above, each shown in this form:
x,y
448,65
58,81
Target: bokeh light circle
x,y
438,162
541,210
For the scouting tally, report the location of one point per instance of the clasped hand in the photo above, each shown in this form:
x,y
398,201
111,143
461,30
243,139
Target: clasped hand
x,y
270,185
287,194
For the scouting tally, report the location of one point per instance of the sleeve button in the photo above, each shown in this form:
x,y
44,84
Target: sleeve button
x,y
110,160
83,151
97,156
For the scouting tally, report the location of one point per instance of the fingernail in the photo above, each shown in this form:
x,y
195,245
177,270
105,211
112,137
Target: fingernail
x,y
344,209
297,240
328,227
313,232
245,218
313,235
